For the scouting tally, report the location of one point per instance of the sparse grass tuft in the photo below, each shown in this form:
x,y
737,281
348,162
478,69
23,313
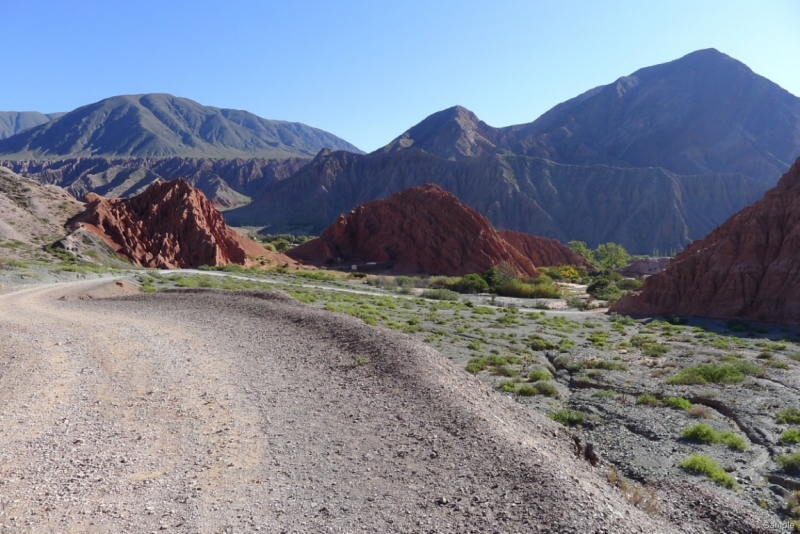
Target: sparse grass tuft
x,y
789,462
788,416
677,403
705,434
791,435
647,400
568,417
704,373
703,465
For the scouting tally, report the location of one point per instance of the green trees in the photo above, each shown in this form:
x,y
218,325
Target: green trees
x,y
607,256
611,256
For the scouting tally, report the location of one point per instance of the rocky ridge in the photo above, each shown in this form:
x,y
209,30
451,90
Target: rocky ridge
x,y
418,230
227,183
748,268
168,225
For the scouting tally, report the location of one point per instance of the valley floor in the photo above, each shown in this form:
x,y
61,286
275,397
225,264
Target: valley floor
x,y
207,411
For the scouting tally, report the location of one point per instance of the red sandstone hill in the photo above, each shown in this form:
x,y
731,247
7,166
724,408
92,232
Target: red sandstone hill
x,y
169,225
747,268
543,251
422,229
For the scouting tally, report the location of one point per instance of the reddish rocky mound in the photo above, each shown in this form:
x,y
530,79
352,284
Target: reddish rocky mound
x,y
422,229
748,268
169,225
543,251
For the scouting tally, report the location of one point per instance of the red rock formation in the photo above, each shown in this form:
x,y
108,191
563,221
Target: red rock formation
x,y
543,251
422,229
169,225
747,268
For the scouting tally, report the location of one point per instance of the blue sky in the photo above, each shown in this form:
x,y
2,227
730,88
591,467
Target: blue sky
x,y
368,70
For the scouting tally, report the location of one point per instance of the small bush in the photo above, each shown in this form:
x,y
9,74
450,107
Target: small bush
x,y
703,465
603,393
539,374
647,400
471,283
732,441
538,388
629,284
702,433
677,403
705,434
440,294
568,417
788,416
791,435
789,462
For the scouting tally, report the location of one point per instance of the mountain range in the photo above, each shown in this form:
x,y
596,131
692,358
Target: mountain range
x,y
653,160
14,122
162,125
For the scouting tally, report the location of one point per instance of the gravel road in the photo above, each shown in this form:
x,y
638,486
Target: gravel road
x,y
206,411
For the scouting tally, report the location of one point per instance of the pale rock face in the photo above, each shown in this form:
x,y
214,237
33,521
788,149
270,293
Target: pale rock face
x,y
747,268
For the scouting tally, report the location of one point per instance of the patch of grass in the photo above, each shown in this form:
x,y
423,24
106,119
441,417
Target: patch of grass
x,y
603,393
791,435
538,388
677,403
647,400
788,416
789,462
705,434
605,365
705,373
703,465
479,363
568,417
539,374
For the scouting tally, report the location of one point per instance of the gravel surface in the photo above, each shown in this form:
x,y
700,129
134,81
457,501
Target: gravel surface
x,y
206,411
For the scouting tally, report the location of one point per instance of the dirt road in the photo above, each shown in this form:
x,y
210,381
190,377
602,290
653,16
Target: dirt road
x,y
220,412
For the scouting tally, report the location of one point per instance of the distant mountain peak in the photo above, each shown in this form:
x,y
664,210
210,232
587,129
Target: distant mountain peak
x,y
453,133
163,125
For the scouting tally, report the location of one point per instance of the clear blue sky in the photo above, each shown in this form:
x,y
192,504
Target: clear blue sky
x,y
368,70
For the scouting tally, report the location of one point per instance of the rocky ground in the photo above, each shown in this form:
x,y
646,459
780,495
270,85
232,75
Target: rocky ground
x,y
239,412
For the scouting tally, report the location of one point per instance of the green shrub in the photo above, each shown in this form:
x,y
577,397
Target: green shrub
x,y
789,462
538,388
732,441
568,417
603,393
440,294
791,435
705,434
701,432
539,374
655,349
629,284
538,343
788,416
647,400
471,283
703,465
677,403
622,319
704,373
507,386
